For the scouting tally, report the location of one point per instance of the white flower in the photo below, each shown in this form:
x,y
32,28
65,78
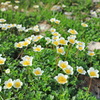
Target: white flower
x,y
2,60
80,43
72,31
91,53
48,40
38,48
16,7
26,62
27,58
57,21
62,41
61,78
8,84
7,71
17,83
80,47
16,1
55,37
2,20
36,6
55,42
63,5
7,2
73,36
63,64
36,28
37,38
9,6
3,9
52,20
18,26
68,70
93,73
38,71
52,30
55,34
71,40
81,70
84,25
26,43
28,39
18,45
60,50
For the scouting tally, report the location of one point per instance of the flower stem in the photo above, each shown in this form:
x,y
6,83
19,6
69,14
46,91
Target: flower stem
x,y
90,84
67,50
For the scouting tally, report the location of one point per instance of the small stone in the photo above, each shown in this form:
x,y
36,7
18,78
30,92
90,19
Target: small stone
x,y
93,13
93,45
56,8
44,26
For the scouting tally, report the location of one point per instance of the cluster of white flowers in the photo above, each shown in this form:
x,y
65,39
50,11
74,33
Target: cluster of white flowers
x,y
65,67
28,41
9,83
92,72
6,5
55,20
5,26
80,45
26,61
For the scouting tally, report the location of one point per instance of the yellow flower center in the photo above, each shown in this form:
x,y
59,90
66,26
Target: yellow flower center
x,y
9,26
79,43
39,37
56,43
92,73
26,63
80,48
25,43
60,50
62,41
72,41
57,22
1,61
84,25
37,49
36,39
19,45
80,70
62,79
72,31
68,71
3,28
28,58
37,72
9,85
55,34
91,54
17,84
55,38
63,65
37,30
52,30
52,20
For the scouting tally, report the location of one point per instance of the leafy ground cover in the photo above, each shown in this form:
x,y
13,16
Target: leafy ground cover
x,y
47,65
